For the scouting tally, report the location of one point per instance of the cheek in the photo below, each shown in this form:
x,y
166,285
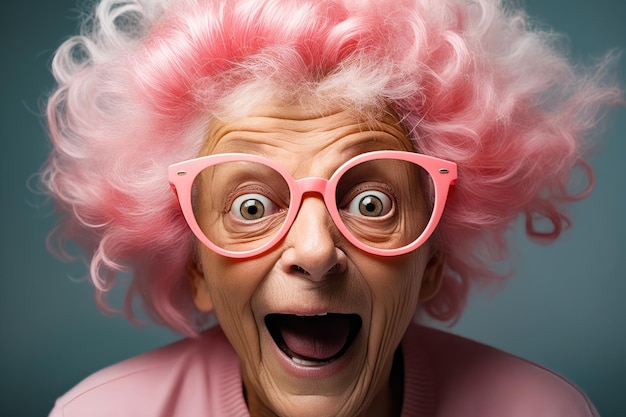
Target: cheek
x,y
232,281
395,286
232,285
396,279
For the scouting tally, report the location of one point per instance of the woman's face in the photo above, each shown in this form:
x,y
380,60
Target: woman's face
x,y
315,321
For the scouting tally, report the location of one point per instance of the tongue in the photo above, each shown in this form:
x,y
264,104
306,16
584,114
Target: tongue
x,y
318,337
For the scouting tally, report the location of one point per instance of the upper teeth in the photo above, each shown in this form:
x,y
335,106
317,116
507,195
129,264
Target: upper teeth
x,y
312,315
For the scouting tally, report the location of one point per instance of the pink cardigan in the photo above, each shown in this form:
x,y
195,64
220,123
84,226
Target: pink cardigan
x,y
445,376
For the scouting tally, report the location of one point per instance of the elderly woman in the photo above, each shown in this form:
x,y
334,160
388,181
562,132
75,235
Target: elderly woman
x,y
337,167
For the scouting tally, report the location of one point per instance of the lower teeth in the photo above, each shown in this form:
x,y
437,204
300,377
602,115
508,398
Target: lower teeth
x,y
308,363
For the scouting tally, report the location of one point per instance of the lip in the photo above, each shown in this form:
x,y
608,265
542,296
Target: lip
x,y
320,371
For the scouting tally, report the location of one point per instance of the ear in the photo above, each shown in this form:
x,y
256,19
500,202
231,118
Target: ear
x,y
201,294
431,280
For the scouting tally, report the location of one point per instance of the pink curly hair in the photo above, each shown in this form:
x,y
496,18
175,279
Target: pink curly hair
x,y
470,82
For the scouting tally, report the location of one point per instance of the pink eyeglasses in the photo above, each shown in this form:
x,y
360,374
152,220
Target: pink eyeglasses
x,y
386,203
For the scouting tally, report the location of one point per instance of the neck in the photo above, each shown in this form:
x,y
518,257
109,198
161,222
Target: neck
x,y
389,401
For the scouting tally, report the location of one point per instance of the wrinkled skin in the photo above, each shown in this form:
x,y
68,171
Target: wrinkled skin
x,y
314,270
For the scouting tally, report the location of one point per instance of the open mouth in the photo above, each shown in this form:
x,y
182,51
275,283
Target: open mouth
x,y
313,340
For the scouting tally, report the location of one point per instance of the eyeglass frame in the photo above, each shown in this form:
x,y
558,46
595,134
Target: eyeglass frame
x,y
182,175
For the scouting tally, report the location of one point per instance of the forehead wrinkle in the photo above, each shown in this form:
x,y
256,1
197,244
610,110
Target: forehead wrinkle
x,y
304,130
348,143
292,118
361,135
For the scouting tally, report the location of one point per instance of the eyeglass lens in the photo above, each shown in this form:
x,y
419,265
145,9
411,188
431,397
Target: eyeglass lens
x,y
384,203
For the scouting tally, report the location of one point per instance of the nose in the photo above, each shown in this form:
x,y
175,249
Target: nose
x,y
312,250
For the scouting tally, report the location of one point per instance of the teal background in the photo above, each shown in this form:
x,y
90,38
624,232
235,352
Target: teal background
x,y
564,308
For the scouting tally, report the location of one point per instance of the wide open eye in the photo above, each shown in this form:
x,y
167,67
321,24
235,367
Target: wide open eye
x,y
370,203
250,207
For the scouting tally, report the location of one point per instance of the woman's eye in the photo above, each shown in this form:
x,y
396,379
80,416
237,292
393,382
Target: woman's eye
x,y
370,203
252,207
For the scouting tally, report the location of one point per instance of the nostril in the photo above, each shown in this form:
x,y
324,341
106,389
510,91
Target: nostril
x,y
335,268
298,268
